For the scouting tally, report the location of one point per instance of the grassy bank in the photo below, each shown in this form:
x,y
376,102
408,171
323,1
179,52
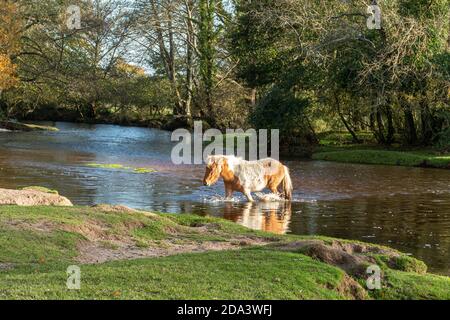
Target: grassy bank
x,y
125,254
338,147
19,126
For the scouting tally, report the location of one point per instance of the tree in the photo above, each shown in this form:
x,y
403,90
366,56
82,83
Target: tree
x,y
207,47
384,79
10,27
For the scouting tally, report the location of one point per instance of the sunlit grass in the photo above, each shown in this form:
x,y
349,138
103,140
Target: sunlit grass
x,y
41,189
114,166
33,262
339,147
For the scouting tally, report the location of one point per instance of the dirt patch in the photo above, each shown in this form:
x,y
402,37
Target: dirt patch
x,y
40,226
93,230
350,257
98,252
350,288
359,248
6,266
106,208
351,264
32,198
103,244
212,228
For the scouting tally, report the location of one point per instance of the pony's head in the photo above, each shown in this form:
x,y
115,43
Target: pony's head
x,y
214,167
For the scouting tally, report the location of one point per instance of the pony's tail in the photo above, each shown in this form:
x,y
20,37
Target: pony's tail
x,y
287,184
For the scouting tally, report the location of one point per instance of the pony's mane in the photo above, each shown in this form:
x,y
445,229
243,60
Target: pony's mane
x,y
232,161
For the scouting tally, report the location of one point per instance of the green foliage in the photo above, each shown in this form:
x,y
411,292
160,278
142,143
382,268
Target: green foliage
x,y
410,264
280,109
207,38
255,44
422,8
314,61
357,78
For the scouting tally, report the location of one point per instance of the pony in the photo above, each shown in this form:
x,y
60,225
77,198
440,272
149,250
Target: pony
x,y
248,176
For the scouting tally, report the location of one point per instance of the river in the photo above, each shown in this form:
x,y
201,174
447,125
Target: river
x,y
405,208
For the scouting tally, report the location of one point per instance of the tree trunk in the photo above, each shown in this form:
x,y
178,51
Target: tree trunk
x,y
253,97
344,121
427,125
3,106
390,123
168,54
410,127
190,49
377,126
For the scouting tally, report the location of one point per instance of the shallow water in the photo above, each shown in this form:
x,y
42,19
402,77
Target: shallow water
x,y
405,208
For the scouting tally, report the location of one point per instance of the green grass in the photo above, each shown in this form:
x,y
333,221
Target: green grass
x,y
412,286
339,148
243,274
41,189
37,244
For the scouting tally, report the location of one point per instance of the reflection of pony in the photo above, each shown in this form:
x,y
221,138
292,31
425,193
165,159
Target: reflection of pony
x,y
248,176
272,217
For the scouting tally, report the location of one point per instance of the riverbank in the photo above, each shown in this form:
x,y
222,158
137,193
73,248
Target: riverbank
x,y
33,196
20,126
163,121
338,147
129,254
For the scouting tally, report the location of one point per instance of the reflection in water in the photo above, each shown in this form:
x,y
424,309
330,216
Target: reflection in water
x,y
267,216
406,208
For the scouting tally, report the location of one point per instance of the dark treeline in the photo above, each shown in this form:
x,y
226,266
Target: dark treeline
x,y
302,66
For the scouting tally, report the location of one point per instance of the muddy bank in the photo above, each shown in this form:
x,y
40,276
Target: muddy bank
x,y
19,126
32,197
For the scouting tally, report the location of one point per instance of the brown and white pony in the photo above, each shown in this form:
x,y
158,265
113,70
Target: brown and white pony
x,y
248,176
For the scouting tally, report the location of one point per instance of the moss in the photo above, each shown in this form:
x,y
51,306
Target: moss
x,y
107,166
120,167
144,170
409,264
41,189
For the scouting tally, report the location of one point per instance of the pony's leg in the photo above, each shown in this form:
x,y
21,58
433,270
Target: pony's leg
x,y
248,195
228,192
274,189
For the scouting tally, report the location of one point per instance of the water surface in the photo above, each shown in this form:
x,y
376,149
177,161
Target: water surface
x,y
405,208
